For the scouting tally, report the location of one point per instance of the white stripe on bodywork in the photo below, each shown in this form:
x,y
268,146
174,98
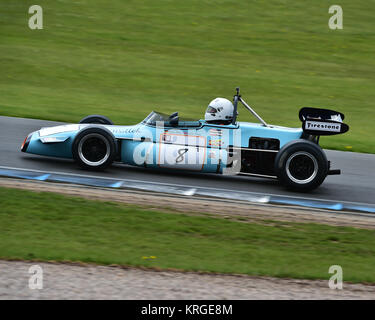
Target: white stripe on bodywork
x,y
53,139
59,129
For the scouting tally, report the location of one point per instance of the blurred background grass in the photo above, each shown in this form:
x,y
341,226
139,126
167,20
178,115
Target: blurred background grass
x,y
126,58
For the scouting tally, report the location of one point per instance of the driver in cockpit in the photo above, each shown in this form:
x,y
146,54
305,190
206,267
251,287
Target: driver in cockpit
x,y
219,111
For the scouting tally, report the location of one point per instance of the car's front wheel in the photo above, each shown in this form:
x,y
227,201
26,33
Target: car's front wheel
x,y
94,148
97,119
301,165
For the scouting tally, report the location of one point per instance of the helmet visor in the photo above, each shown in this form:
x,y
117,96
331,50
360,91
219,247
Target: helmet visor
x,y
211,110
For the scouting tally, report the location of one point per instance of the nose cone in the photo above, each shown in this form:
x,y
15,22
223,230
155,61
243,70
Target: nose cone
x,y
26,142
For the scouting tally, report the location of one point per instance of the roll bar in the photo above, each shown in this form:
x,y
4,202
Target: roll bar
x,y
235,102
237,97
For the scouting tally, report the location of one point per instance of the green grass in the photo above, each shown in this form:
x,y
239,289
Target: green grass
x,y
126,58
48,226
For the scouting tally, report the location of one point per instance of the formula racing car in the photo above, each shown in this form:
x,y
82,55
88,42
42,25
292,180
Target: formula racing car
x,y
217,144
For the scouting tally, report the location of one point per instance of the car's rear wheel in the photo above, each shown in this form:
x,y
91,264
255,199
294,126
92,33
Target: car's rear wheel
x,y
94,148
301,165
96,119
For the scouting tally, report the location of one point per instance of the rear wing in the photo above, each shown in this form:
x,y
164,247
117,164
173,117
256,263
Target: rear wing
x,y
322,122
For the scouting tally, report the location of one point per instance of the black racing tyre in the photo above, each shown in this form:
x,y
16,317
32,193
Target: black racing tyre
x,y
301,165
97,119
94,148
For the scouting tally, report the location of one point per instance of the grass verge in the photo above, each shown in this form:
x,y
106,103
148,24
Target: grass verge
x,y
49,226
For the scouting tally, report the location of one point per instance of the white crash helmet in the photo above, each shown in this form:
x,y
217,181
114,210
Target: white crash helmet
x,y
219,109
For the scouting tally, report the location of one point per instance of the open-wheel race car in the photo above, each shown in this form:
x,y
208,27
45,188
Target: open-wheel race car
x,y
218,144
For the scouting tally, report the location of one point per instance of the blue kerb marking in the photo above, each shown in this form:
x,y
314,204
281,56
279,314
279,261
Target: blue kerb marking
x,y
24,175
117,184
359,208
96,182
308,203
323,205
109,183
43,177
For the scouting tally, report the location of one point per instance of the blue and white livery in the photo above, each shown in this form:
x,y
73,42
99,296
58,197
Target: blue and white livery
x,y
291,155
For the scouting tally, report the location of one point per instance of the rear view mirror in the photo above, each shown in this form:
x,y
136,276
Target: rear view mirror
x,y
174,114
174,121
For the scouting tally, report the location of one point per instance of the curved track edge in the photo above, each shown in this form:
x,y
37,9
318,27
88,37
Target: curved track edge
x,y
185,190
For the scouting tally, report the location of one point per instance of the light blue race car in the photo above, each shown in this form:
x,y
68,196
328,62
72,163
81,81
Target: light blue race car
x,y
292,155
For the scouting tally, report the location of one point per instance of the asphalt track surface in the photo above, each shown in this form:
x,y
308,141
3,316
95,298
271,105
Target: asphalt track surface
x,y
355,184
